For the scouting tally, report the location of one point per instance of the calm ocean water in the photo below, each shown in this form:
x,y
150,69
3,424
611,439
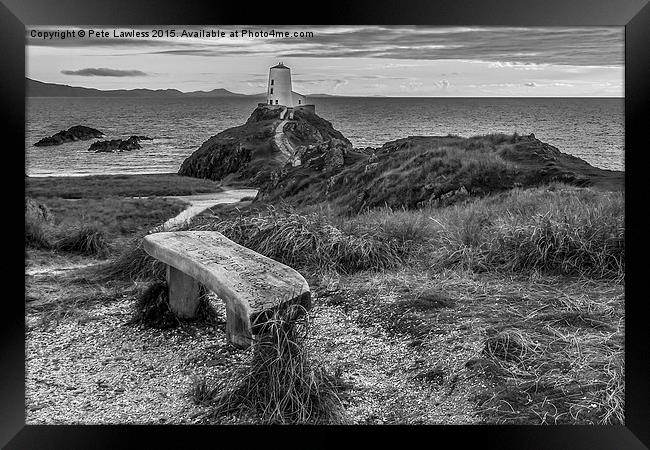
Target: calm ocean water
x,y
592,129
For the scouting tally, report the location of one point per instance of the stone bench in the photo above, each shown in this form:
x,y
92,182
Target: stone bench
x,y
250,284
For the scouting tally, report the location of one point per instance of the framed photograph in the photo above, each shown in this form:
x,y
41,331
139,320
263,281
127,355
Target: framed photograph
x,y
382,218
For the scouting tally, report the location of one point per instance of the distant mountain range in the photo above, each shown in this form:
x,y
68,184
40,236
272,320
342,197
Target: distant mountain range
x,y
36,88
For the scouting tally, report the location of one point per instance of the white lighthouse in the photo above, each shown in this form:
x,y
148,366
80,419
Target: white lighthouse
x,y
279,90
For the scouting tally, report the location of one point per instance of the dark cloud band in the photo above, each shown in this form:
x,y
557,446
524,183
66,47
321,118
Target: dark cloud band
x,y
104,72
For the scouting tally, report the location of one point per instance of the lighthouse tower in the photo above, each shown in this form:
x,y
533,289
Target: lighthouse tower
x,y
279,90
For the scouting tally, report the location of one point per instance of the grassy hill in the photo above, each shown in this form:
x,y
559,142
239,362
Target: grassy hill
x,y
420,171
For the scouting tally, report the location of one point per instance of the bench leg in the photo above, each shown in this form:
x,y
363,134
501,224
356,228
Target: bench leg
x,y
184,293
238,327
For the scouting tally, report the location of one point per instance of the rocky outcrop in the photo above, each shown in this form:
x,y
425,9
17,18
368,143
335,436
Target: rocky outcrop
x,y
76,133
250,154
117,145
312,165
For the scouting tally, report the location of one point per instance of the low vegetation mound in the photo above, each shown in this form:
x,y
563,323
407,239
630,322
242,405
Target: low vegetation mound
x,y
430,171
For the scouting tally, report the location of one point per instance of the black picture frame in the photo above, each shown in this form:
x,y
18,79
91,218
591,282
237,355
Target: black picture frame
x,y
634,15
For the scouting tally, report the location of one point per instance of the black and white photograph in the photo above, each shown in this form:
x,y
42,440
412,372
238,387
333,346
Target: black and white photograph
x,y
325,225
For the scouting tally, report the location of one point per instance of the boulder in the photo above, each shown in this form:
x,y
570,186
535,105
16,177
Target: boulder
x,y
117,145
76,133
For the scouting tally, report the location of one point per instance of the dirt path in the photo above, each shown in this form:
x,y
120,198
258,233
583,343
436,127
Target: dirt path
x,y
281,140
201,202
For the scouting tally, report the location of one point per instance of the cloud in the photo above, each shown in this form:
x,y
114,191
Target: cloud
x,y
104,72
530,84
520,48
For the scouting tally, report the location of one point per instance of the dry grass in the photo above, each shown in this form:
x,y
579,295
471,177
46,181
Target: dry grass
x,y
554,229
554,375
282,385
36,235
306,241
544,349
55,298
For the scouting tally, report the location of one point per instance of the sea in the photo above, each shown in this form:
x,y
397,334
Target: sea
x,y
590,128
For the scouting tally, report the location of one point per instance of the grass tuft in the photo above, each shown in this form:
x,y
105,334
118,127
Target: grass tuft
x,y
133,264
152,308
282,385
86,240
509,345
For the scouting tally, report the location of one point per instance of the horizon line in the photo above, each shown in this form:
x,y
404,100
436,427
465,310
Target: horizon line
x,y
314,94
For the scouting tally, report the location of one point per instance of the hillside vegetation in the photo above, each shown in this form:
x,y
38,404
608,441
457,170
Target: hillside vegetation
x,y
431,171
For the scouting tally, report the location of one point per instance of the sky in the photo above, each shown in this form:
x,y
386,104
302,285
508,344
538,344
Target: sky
x,y
401,61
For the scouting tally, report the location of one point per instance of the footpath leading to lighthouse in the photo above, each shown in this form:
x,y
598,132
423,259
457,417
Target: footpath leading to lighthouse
x,y
281,140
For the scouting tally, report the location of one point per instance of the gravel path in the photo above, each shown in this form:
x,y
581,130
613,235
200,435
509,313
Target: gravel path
x,y
95,369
